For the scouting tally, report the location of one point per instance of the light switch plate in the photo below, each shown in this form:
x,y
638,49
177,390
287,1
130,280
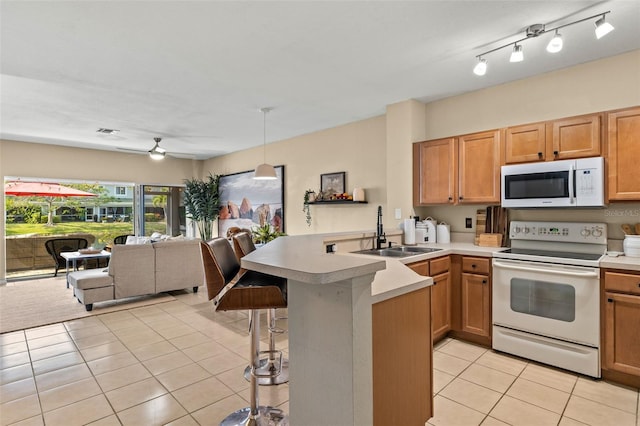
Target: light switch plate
x,y
398,213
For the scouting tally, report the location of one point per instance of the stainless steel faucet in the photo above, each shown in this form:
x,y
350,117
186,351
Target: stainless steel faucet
x,y
380,235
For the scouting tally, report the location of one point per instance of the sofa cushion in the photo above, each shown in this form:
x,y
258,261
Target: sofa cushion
x,y
90,278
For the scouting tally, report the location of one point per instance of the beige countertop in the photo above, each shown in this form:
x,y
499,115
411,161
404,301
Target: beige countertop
x,y
620,262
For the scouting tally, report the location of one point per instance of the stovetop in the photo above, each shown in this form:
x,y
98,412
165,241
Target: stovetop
x,y
567,243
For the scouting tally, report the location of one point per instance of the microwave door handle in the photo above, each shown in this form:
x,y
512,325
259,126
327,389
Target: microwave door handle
x,y
572,176
590,274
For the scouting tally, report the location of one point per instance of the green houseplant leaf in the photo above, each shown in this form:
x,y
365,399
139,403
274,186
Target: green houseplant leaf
x,y
202,203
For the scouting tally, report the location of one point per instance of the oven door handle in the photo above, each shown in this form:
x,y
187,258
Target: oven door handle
x,y
572,176
590,274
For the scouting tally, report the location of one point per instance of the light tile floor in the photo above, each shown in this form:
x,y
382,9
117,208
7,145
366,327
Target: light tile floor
x,y
180,363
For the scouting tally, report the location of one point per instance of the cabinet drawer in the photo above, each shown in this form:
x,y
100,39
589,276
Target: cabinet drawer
x,y
440,265
626,283
478,265
421,268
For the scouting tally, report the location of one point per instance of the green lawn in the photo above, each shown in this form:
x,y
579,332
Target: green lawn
x,y
104,232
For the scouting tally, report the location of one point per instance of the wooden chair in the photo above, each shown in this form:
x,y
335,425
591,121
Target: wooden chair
x,y
56,246
233,289
243,245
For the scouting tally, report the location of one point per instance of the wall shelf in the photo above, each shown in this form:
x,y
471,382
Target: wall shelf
x,y
338,202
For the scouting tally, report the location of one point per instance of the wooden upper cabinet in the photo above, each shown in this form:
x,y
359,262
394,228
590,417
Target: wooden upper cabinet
x,y
479,162
574,137
623,128
434,172
524,144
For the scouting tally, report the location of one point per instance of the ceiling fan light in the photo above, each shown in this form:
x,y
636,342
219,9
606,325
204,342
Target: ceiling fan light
x,y
265,172
156,154
555,44
516,55
481,67
603,28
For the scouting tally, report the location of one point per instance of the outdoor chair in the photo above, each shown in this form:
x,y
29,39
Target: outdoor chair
x,y
121,239
58,245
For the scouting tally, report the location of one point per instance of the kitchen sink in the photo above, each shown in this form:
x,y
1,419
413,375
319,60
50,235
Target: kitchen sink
x,y
399,251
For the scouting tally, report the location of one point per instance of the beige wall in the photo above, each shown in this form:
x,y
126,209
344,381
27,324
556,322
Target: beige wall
x,y
357,148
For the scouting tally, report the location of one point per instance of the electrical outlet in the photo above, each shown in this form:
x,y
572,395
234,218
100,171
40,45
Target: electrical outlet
x,y
467,223
398,213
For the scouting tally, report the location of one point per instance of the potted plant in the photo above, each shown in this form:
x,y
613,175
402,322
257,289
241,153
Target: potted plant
x,y
265,233
309,197
202,203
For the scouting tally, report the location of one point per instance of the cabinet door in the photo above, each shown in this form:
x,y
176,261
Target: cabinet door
x,y
524,144
624,155
421,268
434,172
441,306
622,333
476,304
479,164
574,137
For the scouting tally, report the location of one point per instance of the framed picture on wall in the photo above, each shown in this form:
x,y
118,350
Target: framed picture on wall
x,y
332,183
246,202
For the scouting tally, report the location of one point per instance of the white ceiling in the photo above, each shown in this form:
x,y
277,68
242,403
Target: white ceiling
x,y
196,72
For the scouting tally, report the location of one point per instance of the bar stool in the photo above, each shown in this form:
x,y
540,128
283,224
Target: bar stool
x,y
243,245
232,289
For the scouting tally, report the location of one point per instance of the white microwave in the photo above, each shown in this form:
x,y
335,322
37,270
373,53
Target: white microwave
x,y
565,183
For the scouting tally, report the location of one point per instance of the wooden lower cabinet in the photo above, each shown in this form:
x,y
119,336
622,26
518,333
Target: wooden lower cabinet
x,y
401,329
438,269
621,327
476,304
471,299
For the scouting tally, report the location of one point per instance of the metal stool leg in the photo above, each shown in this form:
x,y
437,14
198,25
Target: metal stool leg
x,y
268,368
256,415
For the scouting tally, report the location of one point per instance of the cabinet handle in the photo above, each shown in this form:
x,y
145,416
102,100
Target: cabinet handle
x,y
473,266
555,153
610,300
460,197
450,198
484,281
539,155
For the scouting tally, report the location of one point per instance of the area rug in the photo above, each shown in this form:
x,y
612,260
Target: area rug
x,y
33,303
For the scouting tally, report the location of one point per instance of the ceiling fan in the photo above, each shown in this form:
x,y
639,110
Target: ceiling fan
x,y
157,152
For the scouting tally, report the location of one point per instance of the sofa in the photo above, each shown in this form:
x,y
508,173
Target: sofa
x,y
140,269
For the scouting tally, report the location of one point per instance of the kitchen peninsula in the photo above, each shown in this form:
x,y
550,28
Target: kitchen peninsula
x,y
359,334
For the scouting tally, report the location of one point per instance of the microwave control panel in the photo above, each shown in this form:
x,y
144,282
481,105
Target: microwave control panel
x,y
570,232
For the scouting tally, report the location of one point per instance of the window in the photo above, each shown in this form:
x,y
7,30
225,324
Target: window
x,y
121,190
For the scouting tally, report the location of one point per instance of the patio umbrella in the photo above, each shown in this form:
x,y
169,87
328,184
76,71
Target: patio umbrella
x,y
49,191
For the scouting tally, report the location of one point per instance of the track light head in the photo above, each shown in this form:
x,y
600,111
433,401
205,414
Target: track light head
x,y
481,67
603,28
517,55
555,45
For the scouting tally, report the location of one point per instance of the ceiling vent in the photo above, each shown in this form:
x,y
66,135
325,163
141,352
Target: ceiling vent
x,y
107,131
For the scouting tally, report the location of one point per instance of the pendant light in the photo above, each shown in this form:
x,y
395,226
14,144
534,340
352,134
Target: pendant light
x,y
265,171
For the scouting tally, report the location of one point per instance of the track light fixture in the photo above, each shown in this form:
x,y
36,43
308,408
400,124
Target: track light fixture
x,y
555,44
481,67
517,55
602,27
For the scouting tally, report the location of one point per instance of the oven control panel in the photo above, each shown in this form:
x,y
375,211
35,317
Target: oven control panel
x,y
571,232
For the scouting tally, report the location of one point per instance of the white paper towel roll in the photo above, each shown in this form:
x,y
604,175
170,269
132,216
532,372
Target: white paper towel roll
x,y
409,226
443,233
